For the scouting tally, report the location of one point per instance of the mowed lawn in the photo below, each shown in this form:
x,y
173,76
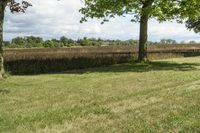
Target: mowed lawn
x,y
162,96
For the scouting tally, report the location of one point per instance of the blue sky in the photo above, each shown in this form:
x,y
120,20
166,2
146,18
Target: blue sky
x,y
52,19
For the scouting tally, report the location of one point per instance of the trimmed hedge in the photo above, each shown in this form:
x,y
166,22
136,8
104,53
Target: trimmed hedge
x,y
52,65
36,61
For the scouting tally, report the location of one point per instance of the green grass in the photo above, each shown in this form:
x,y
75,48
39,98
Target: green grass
x,y
162,96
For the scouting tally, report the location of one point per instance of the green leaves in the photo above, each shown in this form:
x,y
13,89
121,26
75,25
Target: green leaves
x,y
107,9
18,7
193,24
162,10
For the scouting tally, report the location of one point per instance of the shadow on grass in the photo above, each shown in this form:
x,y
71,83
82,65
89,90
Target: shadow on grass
x,y
4,91
140,67
131,67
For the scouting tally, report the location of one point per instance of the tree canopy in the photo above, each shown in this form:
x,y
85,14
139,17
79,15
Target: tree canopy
x,y
162,10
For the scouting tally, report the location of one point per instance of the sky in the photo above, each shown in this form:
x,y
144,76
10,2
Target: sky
x,y
53,19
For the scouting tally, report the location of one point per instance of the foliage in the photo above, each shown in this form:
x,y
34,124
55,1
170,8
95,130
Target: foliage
x,y
63,63
16,6
66,41
31,41
38,42
162,10
168,41
194,24
48,43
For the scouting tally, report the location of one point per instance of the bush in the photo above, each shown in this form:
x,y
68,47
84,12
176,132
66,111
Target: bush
x,y
48,44
35,66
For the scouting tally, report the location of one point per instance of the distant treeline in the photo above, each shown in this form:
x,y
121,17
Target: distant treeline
x,y
38,42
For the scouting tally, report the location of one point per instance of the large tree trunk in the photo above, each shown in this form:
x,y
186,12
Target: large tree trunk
x,y
142,57
2,8
142,54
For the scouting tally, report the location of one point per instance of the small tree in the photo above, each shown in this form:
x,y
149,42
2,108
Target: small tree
x,y
84,42
142,11
21,41
14,7
66,41
168,41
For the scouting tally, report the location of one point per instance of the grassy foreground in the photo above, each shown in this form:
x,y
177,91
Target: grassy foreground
x,y
163,96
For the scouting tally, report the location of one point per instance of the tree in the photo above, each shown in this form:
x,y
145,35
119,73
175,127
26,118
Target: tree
x,y
192,42
142,11
66,40
14,7
19,41
84,42
48,44
32,41
6,43
167,41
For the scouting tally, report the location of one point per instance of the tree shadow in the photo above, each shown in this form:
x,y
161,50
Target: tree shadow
x,y
139,67
131,67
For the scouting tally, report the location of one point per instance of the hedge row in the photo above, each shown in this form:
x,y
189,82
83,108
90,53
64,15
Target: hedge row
x,y
36,61
64,63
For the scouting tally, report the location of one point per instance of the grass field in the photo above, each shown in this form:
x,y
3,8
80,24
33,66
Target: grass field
x,y
163,96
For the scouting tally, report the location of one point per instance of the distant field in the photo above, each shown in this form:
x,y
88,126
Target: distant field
x,y
55,53
162,96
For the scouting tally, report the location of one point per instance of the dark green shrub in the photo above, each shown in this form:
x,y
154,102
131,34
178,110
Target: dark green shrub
x,y
37,66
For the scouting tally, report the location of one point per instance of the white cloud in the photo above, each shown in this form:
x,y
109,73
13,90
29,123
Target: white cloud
x,y
52,19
